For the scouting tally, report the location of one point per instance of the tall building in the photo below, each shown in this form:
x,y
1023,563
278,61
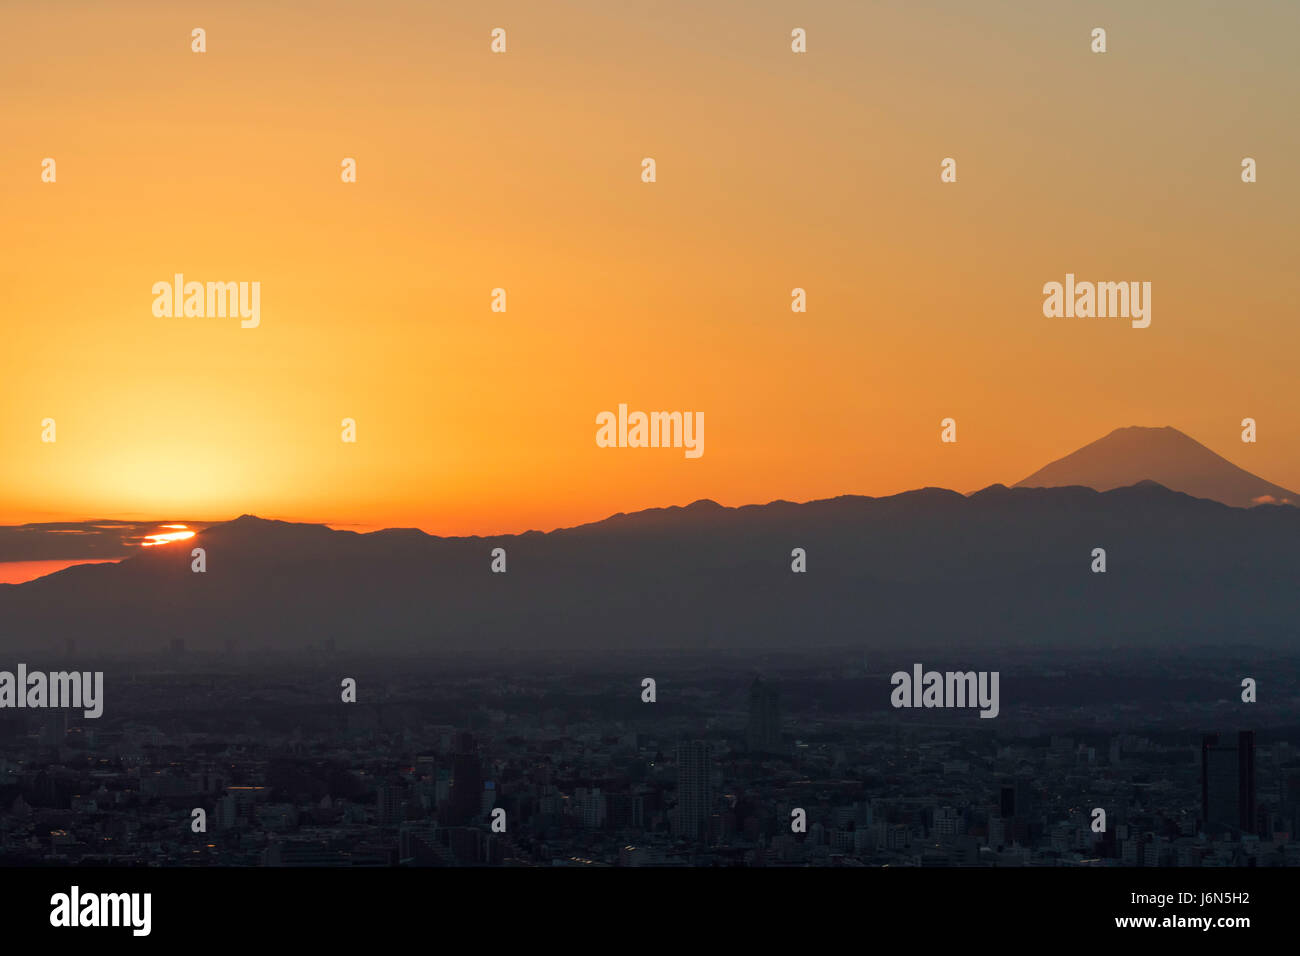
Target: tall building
x,y
1018,808
1017,799
1228,783
764,732
388,804
625,811
1007,801
466,800
694,787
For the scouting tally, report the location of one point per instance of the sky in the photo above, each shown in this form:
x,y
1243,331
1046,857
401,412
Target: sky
x,y
522,171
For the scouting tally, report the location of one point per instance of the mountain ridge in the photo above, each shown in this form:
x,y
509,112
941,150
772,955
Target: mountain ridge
x,y
1002,566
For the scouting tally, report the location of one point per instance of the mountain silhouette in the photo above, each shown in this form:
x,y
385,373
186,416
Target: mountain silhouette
x,y
1001,567
1129,455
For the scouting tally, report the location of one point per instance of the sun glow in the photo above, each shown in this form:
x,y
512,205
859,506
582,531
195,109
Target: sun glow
x,y
165,537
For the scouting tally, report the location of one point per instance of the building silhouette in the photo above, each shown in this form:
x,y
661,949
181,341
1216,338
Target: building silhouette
x,y
1228,783
694,788
466,799
388,804
763,735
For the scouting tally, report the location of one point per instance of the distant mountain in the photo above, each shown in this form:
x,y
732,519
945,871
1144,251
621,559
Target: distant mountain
x,y
1165,455
1004,566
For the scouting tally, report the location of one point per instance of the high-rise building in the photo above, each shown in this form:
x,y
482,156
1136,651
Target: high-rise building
x,y
1007,801
227,812
764,732
1228,783
947,822
466,799
626,811
694,787
388,804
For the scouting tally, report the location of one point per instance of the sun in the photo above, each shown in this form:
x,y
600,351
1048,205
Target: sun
x,y
166,537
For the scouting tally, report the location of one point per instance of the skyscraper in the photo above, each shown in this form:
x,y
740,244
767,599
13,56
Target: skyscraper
x,y
466,798
764,732
1007,801
1228,783
694,787
388,804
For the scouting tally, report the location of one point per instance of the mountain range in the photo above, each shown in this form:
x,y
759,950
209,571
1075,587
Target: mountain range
x,y
1004,566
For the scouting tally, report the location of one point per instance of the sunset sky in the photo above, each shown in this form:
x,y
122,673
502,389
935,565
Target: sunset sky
x,y
522,171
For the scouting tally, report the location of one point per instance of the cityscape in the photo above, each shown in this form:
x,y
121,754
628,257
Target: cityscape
x,y
470,762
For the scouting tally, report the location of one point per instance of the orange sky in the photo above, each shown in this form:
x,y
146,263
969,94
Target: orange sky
x,y
522,171
15,572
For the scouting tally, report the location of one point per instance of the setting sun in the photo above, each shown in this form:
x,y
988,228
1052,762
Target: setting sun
x,y
166,537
